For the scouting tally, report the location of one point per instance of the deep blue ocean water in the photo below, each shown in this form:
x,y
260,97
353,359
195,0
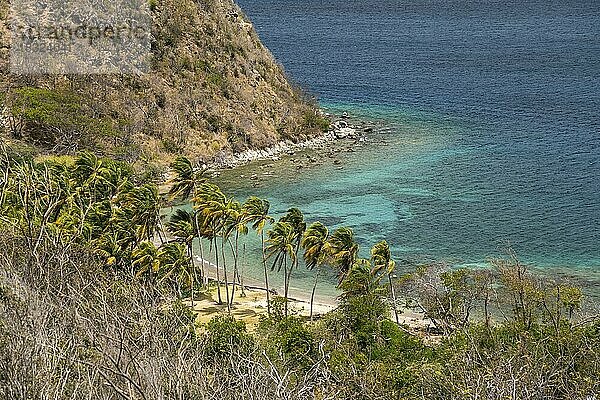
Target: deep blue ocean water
x,y
492,112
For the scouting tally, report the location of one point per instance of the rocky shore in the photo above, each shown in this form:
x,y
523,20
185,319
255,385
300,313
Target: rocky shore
x,y
342,130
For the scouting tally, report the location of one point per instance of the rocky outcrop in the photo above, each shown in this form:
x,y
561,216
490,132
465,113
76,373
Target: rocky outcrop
x,y
274,152
341,131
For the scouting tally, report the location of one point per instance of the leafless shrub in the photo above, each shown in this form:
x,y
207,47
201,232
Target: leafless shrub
x,y
75,331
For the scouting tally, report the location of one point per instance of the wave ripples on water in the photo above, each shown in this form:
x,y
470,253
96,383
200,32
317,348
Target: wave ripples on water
x,y
492,113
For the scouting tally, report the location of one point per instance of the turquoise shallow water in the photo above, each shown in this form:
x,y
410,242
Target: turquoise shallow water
x,y
489,112
403,187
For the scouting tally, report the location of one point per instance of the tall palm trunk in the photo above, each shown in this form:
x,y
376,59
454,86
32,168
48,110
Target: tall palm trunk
x,y
312,295
197,232
225,273
241,269
202,261
214,245
193,274
288,280
289,275
237,276
393,291
264,261
235,271
285,285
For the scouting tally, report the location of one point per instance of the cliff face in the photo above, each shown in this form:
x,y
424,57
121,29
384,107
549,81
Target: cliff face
x,y
213,89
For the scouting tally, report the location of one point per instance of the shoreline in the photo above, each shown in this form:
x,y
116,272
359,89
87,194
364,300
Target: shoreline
x,y
253,283
343,128
345,133
253,305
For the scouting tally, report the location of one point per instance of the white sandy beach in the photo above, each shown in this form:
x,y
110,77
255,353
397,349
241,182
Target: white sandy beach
x,y
250,307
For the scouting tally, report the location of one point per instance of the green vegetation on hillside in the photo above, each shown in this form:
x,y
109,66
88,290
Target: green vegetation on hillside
x,y
94,303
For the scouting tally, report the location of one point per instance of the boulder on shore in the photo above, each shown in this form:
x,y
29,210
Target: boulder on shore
x,y
344,133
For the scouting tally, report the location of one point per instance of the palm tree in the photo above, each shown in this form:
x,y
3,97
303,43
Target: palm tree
x,y
145,259
313,243
212,205
121,222
181,226
111,246
182,183
361,280
257,213
186,182
295,217
203,232
209,230
186,179
281,244
235,222
381,258
220,213
117,176
143,204
99,178
175,265
343,251
88,170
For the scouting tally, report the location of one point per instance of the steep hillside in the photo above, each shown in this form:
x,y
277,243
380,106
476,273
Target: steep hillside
x,y
213,89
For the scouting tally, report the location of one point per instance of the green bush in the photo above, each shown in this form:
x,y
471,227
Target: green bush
x,y
290,338
312,120
46,112
278,308
363,316
224,336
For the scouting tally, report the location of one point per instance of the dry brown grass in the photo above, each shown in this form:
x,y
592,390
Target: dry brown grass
x,y
214,89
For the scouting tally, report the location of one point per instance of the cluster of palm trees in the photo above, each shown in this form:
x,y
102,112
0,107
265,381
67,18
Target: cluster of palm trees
x,y
98,203
86,201
214,218
356,276
221,221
